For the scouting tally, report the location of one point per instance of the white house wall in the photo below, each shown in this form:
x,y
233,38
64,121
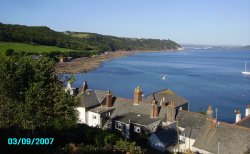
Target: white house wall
x,y
201,151
187,145
82,115
94,119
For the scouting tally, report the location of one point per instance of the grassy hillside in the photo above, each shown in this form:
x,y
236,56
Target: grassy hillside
x,y
78,40
29,48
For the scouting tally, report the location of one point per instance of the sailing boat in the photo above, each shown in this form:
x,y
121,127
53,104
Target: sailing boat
x,y
245,72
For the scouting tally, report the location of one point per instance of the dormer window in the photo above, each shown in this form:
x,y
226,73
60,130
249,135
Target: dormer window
x,y
107,114
118,126
137,129
109,126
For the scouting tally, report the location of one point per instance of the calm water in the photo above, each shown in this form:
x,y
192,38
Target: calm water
x,y
203,77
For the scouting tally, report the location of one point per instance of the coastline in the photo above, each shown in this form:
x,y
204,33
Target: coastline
x,y
86,64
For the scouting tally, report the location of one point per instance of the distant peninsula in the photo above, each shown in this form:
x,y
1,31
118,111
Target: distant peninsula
x,y
74,52
79,41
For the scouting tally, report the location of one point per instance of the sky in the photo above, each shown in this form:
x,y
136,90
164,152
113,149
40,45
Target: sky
x,y
215,22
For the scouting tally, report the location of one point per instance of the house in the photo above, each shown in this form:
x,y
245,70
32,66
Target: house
x,y
220,137
94,108
186,127
165,118
144,116
189,125
64,59
245,122
164,139
131,117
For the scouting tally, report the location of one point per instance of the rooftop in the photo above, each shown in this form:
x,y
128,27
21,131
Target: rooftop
x,y
168,136
228,138
136,118
101,109
244,122
167,95
192,122
91,98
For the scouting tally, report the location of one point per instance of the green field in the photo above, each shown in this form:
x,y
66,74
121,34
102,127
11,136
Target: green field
x,y
80,35
30,48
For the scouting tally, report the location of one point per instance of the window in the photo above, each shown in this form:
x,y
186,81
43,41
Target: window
x,y
107,114
137,129
109,126
119,126
93,116
182,138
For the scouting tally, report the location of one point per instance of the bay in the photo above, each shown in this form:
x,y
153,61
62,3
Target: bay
x,y
203,77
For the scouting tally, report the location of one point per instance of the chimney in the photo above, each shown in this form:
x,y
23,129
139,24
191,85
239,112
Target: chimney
x,y
69,85
171,111
162,102
247,110
154,112
69,88
109,99
137,96
210,111
85,86
238,116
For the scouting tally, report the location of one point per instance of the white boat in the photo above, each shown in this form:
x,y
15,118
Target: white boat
x,y
245,72
164,77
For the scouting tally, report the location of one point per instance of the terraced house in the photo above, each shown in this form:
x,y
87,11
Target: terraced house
x,y
164,117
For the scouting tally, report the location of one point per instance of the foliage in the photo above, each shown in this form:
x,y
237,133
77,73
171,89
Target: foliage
x,y
142,141
79,41
32,95
72,78
9,52
122,145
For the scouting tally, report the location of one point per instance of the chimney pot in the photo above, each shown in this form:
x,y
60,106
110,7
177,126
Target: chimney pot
x,y
85,86
154,109
247,111
137,96
210,111
109,99
171,111
238,116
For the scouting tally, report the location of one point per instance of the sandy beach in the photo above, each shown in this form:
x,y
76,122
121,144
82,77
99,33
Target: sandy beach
x,y
86,64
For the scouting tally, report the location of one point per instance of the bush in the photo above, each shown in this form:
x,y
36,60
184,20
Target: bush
x,y
9,52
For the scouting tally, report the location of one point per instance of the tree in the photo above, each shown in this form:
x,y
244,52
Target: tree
x,y
32,94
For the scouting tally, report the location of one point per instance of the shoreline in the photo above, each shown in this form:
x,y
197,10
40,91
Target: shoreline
x,y
87,64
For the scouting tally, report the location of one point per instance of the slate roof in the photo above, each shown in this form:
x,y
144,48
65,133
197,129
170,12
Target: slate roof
x,y
231,139
142,108
244,122
192,122
168,136
91,98
101,109
136,118
122,106
168,95
101,95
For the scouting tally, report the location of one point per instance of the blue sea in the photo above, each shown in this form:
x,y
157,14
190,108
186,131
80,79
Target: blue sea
x,y
203,77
